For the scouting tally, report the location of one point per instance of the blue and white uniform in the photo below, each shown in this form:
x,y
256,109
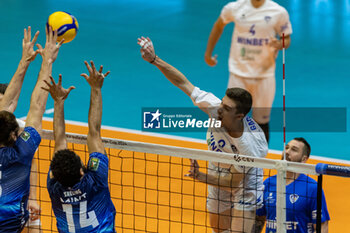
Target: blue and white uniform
x,y
15,165
87,206
301,203
251,143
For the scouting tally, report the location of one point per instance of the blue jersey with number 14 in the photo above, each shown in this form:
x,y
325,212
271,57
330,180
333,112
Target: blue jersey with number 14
x,y
87,206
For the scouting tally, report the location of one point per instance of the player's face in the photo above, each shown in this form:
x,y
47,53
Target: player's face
x,y
1,95
295,152
227,112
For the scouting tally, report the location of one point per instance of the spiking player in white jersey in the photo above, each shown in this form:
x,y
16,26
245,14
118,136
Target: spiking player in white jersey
x,y
254,48
234,191
80,196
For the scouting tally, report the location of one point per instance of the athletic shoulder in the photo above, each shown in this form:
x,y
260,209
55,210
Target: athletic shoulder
x,y
307,179
235,4
276,6
256,135
229,11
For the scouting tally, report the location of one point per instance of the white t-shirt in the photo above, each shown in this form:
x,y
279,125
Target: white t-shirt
x,y
250,54
21,123
251,143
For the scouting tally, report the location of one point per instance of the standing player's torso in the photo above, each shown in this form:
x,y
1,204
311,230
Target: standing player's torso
x,y
251,56
299,213
251,142
255,26
84,208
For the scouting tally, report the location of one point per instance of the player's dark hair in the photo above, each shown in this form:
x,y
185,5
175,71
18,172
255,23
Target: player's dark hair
x,y
65,167
8,125
307,147
3,87
242,98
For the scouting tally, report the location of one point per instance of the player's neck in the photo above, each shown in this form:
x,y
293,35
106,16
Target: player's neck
x,y
257,3
236,130
291,176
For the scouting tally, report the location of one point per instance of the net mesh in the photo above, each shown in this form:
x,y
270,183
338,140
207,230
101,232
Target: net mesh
x,y
149,190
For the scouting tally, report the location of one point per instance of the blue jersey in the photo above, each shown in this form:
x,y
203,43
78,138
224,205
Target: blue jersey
x,y
15,165
301,204
87,206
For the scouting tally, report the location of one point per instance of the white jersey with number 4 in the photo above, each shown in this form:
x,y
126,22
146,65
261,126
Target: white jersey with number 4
x,y
250,55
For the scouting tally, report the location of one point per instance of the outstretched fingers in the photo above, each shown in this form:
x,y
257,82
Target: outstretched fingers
x,y
107,73
85,76
88,67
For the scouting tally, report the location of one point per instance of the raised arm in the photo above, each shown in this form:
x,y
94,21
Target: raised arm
x,y
39,96
59,95
95,80
170,72
214,36
11,96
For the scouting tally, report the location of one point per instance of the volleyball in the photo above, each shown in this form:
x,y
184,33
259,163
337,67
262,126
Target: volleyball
x,y
65,24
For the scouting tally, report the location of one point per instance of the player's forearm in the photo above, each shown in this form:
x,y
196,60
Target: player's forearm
x,y
94,140
39,97
10,99
95,112
59,127
174,76
324,227
286,42
33,180
214,36
222,182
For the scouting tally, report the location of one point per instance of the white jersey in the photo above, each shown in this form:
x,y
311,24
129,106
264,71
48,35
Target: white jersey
x,y
21,123
250,54
251,143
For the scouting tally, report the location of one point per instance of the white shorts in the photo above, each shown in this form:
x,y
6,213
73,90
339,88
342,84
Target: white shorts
x,y
220,200
262,91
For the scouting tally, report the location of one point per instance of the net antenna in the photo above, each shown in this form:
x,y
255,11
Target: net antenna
x,y
281,167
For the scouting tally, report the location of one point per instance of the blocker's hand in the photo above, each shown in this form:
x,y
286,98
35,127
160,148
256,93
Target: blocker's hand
x,y
147,49
95,78
58,93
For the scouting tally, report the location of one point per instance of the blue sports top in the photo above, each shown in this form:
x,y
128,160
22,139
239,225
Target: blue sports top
x,y
87,206
301,205
15,165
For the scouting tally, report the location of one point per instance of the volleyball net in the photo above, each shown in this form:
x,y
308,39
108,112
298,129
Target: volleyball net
x,y
149,188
